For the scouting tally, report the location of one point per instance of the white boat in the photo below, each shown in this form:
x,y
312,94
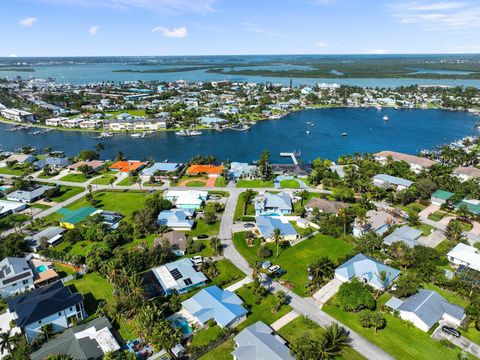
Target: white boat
x,y
379,107
188,133
385,118
308,132
344,134
136,136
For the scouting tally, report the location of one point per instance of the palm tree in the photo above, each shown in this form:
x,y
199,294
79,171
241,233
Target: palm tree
x,y
277,236
111,181
342,214
383,278
338,339
47,330
6,341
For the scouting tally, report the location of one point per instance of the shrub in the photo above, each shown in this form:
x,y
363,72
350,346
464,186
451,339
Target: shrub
x,y
264,252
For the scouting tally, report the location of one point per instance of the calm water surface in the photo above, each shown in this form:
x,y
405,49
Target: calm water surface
x,y
407,131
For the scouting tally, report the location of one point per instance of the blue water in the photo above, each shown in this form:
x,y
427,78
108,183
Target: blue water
x,y
40,269
183,325
438,71
407,131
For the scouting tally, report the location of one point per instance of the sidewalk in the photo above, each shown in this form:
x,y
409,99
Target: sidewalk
x,y
284,320
239,284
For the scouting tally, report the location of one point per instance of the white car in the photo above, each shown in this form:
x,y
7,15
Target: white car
x,y
273,268
197,260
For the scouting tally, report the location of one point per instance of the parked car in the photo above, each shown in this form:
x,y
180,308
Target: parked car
x,y
202,236
451,330
248,225
273,268
278,273
197,260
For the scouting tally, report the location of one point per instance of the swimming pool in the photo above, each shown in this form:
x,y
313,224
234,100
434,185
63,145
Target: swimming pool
x,y
183,325
40,269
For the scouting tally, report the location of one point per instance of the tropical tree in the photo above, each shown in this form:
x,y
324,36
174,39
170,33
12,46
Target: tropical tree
x,y
413,219
373,319
165,336
453,231
277,237
321,271
280,300
6,341
47,330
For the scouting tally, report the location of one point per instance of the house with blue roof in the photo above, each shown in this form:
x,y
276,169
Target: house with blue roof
x,y
53,162
391,182
207,120
213,303
406,234
179,276
267,224
161,168
177,219
426,308
241,171
367,270
187,199
273,204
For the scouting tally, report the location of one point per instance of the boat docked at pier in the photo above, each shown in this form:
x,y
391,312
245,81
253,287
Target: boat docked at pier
x,y
188,133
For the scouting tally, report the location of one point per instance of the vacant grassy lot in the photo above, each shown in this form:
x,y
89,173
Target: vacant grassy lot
x,y
104,179
66,192
195,183
254,184
290,184
398,338
296,259
79,178
201,227
240,210
16,170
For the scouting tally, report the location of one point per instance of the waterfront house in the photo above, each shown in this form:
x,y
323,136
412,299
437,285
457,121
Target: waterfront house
x,y
160,169
16,277
30,195
91,341
179,276
177,241
241,170
210,121
273,204
332,207
391,182
56,121
367,270
53,304
95,165
18,115
187,199
210,170
416,163
466,173
127,166
55,163
259,341
10,207
440,197
406,234
426,308
266,226
222,306
300,170
18,159
177,219
52,236
466,256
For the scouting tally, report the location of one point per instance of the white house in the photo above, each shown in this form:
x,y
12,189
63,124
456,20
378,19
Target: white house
x,y
187,199
466,173
391,182
416,163
16,277
10,207
465,255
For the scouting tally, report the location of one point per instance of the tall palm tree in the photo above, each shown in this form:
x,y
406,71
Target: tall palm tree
x,y
47,330
277,236
383,278
6,341
337,339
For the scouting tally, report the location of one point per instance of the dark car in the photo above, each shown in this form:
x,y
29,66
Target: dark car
x,y
248,225
278,273
202,236
450,330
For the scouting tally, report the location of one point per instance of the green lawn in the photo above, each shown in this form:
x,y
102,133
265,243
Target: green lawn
x,y
66,192
220,182
78,178
449,295
104,179
79,248
221,352
206,336
437,215
291,184
398,338
63,270
301,231
7,222
259,312
126,182
240,207
229,274
296,259
300,326
445,246
201,227
12,171
195,183
415,207
254,184
426,229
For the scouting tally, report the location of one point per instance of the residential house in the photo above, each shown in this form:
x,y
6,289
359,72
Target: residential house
x,y
391,182
367,270
416,163
56,121
29,195
273,204
426,308
440,197
378,221
465,256
300,170
52,162
10,207
127,166
16,277
96,165
177,241
110,218
472,205
21,159
53,304
324,205
266,226
177,219
160,169
241,171
222,306
17,115
179,276
405,234
91,341
52,235
259,341
187,199
466,173
210,170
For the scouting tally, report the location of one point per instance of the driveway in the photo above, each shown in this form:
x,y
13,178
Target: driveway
x,y
462,342
327,291
432,240
428,210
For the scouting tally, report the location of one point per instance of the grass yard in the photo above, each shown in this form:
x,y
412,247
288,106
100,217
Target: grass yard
x,y
289,184
221,182
104,179
301,231
437,215
195,183
229,274
261,312
297,258
201,227
8,222
79,248
207,336
12,171
78,178
127,182
425,228
240,207
221,352
63,270
415,207
66,192
398,338
254,184
124,202
445,246
301,326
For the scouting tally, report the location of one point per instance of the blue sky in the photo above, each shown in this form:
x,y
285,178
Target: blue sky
x,y
204,27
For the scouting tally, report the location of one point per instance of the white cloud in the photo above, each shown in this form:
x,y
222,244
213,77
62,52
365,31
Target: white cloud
x,y
260,30
29,21
93,29
178,32
377,51
322,44
12,56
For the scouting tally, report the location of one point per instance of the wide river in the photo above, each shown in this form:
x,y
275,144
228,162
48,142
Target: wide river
x,y
407,131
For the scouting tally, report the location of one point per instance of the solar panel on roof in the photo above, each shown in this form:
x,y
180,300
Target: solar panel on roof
x,y
176,274
188,281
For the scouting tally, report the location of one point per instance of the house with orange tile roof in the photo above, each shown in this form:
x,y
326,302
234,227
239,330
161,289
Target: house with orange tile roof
x,y
210,170
127,166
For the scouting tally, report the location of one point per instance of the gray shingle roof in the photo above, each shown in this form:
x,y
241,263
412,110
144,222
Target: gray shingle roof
x,y
406,234
393,180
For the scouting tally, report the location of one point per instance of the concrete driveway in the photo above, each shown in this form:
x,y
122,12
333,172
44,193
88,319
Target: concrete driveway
x,y
428,210
327,291
432,240
462,342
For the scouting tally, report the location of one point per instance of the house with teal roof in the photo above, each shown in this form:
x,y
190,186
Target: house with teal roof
x,y
440,197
